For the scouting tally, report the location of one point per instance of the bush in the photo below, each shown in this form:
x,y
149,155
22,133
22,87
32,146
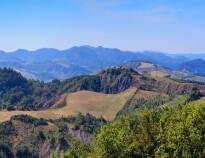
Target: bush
x,y
7,128
86,123
30,119
78,150
23,152
41,136
5,151
194,95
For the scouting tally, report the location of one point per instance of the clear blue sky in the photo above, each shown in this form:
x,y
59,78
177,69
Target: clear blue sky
x,y
163,25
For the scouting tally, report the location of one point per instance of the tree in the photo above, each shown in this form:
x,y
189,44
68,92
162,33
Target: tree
x,y
182,132
131,136
78,150
5,151
23,152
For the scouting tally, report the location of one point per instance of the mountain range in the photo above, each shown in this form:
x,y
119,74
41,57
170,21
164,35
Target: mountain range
x,y
47,64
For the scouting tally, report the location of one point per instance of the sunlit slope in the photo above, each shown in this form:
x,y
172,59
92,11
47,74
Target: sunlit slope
x,y
97,104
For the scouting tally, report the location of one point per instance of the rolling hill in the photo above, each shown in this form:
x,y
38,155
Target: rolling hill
x,y
18,93
191,71
97,104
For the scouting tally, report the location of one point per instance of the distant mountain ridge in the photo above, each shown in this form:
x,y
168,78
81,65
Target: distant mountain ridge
x,y
196,67
47,64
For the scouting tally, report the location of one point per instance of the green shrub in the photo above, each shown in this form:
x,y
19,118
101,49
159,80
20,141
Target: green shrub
x,y
23,152
30,119
5,151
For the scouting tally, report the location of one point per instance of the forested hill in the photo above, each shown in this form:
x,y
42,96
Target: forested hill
x,y
19,93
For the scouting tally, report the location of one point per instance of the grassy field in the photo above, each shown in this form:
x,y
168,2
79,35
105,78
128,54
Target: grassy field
x,y
144,65
97,104
158,74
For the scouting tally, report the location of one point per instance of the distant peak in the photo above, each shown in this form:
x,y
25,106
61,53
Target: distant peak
x,y
100,47
195,61
83,46
21,50
45,49
198,60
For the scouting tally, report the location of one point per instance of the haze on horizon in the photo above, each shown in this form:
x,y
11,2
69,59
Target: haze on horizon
x,y
161,25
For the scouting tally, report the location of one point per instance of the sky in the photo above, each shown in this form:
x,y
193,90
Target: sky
x,y
175,26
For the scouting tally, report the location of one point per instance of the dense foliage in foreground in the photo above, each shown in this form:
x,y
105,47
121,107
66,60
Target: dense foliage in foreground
x,y
174,130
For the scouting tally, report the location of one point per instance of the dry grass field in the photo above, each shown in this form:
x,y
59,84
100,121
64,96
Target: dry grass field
x,y
144,65
158,74
97,104
148,94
